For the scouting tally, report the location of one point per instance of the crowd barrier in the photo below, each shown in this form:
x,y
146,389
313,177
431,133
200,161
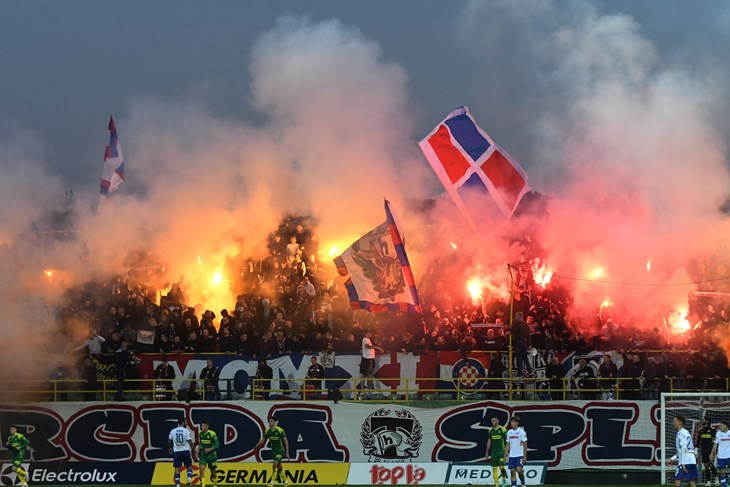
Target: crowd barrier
x,y
398,376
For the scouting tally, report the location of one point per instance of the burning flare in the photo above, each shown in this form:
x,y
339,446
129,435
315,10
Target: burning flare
x,y
475,289
540,273
677,320
217,278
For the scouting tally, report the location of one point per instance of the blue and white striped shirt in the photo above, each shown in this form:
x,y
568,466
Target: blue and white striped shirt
x,y
685,448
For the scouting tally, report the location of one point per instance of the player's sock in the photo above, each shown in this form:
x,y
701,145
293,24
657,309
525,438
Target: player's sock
x,y
514,483
177,479
495,474
723,481
190,475
21,474
504,478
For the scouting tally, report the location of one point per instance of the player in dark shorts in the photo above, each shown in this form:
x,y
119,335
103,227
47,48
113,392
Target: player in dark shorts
x,y
279,445
208,454
495,451
706,440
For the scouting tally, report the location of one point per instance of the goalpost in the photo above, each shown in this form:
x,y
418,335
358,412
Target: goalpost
x,y
693,406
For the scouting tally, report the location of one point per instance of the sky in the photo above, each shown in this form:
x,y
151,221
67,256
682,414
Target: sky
x,y
67,65
232,114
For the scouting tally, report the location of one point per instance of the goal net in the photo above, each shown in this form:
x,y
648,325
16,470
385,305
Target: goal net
x,y
693,406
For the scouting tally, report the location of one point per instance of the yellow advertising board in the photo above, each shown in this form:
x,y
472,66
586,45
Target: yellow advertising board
x,y
259,474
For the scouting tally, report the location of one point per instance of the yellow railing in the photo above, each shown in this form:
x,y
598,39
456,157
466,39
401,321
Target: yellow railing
x,y
408,389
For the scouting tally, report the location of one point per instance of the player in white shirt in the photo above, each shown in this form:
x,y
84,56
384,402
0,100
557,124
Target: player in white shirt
x,y
685,456
516,452
180,445
721,451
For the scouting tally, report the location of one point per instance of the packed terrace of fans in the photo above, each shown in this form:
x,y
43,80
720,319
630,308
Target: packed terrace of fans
x,y
286,303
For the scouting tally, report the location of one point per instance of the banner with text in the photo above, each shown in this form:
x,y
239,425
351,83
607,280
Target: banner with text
x,y
563,435
76,473
260,473
397,372
397,473
468,474
237,373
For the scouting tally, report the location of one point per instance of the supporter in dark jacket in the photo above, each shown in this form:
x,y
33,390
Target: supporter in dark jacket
x,y
585,378
555,372
494,375
608,372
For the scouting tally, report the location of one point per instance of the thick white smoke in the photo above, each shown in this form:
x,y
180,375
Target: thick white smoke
x,y
336,138
627,151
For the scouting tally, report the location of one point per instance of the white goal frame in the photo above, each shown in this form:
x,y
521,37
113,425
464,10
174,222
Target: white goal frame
x,y
663,430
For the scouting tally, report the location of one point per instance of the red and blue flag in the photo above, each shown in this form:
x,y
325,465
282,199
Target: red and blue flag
x,y
380,276
473,168
113,173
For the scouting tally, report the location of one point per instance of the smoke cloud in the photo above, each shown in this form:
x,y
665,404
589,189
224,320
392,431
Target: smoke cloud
x,y
335,139
627,151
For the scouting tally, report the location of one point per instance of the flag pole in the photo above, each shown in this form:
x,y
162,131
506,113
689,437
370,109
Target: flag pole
x,y
511,318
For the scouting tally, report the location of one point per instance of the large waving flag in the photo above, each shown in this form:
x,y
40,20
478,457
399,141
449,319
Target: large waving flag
x,y
113,174
471,166
381,279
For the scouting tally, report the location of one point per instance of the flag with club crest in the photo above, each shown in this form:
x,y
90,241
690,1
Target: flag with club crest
x,y
380,276
476,172
112,175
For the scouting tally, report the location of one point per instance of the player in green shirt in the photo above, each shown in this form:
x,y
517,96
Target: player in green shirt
x,y
17,443
208,452
278,443
495,449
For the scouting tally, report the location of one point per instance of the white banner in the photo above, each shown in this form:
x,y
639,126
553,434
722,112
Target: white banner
x,y
562,435
397,473
470,474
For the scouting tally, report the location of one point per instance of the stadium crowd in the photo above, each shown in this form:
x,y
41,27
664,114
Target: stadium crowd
x,y
285,305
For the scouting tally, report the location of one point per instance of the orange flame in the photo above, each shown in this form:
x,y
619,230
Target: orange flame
x,y
217,278
541,274
453,246
475,289
48,272
648,265
597,273
677,320
334,251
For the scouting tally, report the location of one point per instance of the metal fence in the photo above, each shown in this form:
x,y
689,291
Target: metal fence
x,y
360,390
